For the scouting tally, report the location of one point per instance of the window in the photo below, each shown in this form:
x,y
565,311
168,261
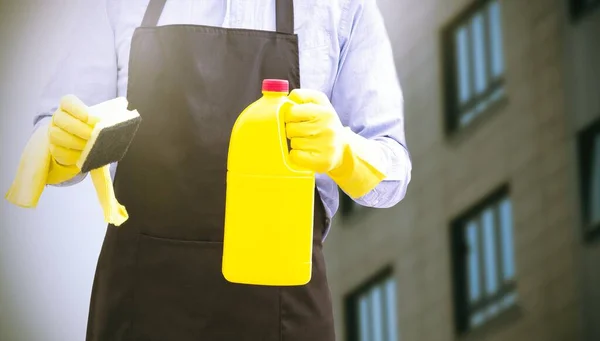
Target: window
x,y
483,261
371,310
589,156
474,64
580,7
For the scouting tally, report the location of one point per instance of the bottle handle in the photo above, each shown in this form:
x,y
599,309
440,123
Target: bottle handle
x,y
285,142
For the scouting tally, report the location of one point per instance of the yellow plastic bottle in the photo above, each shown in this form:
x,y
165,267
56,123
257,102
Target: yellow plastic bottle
x,y
269,205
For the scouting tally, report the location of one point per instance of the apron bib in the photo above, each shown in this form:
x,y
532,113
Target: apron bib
x,y
159,276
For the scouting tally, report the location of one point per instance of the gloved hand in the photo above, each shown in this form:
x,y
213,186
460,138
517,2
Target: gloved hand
x,y
50,157
321,143
71,129
69,132
315,131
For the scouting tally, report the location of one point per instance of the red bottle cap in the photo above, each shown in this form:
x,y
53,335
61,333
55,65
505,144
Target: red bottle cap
x,y
275,85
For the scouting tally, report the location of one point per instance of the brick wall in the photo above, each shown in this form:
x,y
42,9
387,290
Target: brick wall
x,y
523,141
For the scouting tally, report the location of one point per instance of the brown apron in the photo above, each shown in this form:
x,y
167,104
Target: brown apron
x,y
159,275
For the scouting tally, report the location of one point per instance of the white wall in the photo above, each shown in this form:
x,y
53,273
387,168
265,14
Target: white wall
x,y
47,255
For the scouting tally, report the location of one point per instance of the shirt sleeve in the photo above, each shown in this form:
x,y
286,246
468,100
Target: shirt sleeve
x,y
88,68
368,97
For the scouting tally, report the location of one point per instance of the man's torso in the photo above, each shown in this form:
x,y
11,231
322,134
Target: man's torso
x,y
317,24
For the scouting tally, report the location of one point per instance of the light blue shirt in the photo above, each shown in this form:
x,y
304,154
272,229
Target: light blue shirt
x,y
344,50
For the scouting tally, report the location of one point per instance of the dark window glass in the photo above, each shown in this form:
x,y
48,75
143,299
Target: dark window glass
x,y
474,64
371,310
580,7
589,156
484,262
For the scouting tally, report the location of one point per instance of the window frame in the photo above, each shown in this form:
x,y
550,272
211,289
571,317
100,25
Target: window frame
x,y
350,301
453,112
462,307
585,141
579,9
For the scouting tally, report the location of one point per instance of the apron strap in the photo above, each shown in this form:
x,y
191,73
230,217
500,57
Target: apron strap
x,y
153,13
285,16
284,13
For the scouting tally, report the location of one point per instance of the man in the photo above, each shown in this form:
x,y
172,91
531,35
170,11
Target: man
x,y
189,68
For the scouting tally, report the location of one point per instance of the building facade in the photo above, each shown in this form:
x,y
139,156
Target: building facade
x,y
499,235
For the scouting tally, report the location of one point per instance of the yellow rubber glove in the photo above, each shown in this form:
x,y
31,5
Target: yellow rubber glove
x,y
32,172
51,155
321,143
69,132
71,129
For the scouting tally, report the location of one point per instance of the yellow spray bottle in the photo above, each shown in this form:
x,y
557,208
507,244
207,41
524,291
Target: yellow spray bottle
x,y
269,205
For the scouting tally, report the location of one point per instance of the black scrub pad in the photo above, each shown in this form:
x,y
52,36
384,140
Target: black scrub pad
x,y
111,136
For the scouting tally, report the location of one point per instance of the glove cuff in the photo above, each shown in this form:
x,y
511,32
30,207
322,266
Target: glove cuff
x,y
362,167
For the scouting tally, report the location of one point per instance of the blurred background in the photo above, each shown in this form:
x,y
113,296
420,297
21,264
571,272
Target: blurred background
x,y
497,239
